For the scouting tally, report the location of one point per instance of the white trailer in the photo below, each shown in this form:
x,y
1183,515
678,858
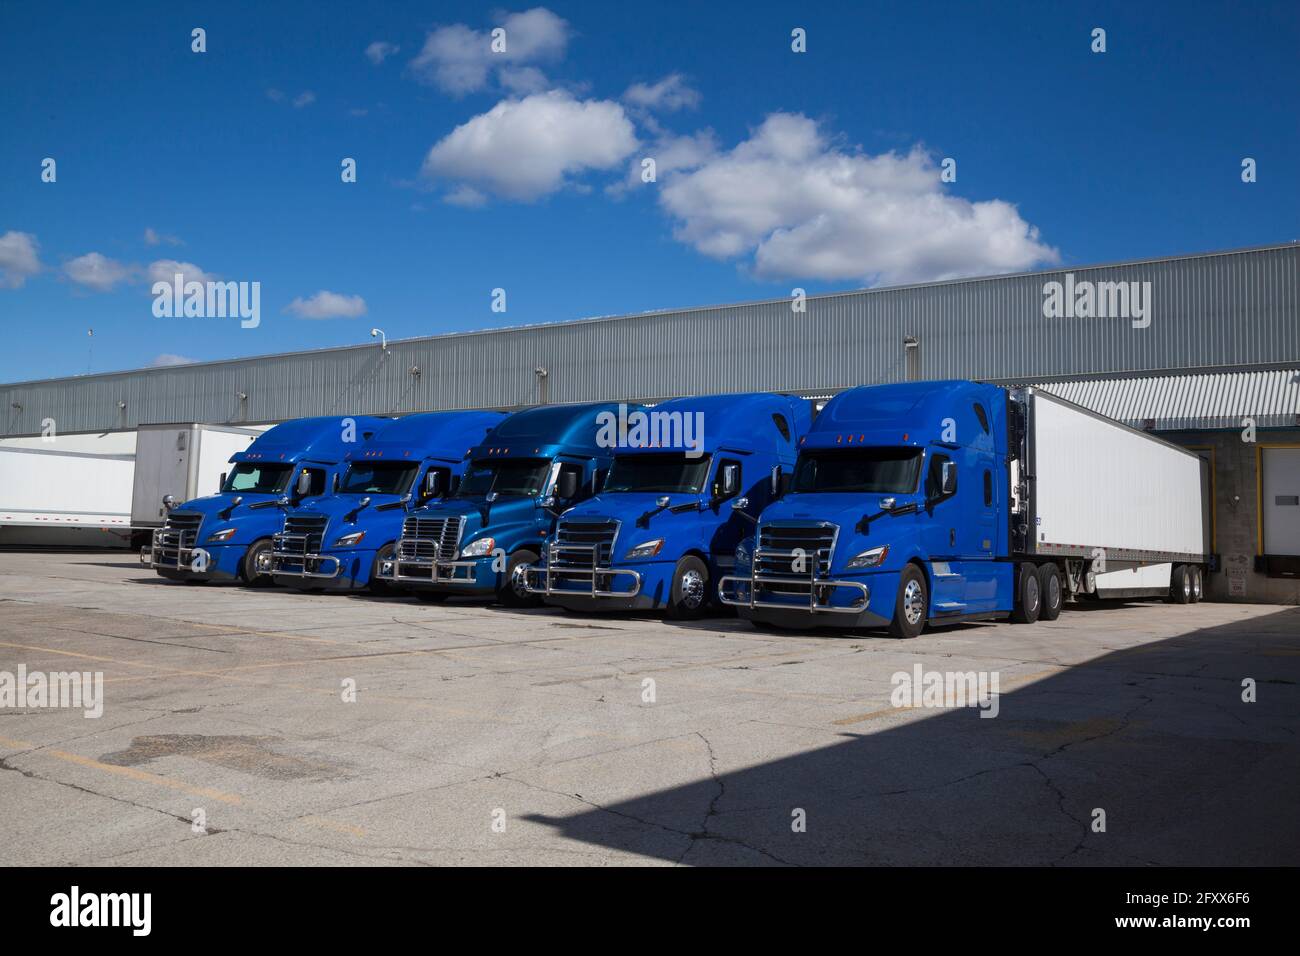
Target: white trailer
x,y
1124,513
182,461
67,490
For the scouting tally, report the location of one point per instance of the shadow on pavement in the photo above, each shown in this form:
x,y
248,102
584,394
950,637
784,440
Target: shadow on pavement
x,y
1156,736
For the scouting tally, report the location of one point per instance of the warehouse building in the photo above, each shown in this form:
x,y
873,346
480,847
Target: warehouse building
x,y
1202,349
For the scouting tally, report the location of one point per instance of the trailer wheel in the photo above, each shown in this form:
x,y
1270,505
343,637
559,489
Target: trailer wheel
x,y
1180,585
911,605
1029,596
249,571
1049,589
511,592
691,595
1198,585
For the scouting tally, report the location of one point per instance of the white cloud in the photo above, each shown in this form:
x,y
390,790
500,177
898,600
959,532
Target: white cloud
x,y
670,153
328,305
668,95
97,272
169,358
524,149
466,196
274,95
154,238
305,98
165,270
19,259
459,59
806,208
380,50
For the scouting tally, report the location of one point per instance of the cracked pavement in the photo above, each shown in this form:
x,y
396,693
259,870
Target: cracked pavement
x,y
484,736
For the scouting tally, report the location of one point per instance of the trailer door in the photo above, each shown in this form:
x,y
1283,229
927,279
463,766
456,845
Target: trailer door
x,y
1280,505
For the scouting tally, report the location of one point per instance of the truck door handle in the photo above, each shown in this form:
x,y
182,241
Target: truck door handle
x,y
952,537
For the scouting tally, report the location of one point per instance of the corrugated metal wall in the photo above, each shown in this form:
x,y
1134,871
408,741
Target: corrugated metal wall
x,y
1223,309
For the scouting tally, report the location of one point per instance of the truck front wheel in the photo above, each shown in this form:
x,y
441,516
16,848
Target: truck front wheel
x,y
251,568
1029,595
911,605
691,596
512,592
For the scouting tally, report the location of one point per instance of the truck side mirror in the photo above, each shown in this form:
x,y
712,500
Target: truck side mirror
x,y
334,485
566,486
222,482
303,486
453,484
433,483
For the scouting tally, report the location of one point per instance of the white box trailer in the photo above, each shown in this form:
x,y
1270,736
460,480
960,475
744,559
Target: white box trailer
x,y
1131,505
67,490
184,461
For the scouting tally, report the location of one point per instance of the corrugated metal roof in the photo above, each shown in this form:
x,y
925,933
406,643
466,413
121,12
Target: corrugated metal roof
x,y
1207,311
1192,402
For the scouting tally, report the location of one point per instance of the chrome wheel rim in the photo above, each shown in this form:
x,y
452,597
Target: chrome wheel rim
x,y
1054,591
692,589
912,609
1196,585
517,581
1031,594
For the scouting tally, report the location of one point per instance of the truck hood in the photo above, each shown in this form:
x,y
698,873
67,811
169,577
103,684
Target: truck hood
x,y
507,517
845,510
381,526
249,523
680,531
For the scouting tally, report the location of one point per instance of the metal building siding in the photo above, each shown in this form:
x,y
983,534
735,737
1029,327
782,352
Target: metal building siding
x,y
1192,402
1222,309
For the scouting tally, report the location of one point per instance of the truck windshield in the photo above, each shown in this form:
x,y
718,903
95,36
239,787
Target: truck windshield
x,y
260,479
869,470
519,477
658,472
379,478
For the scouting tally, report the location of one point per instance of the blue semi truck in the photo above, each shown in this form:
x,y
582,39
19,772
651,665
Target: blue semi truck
x,y
662,530
336,541
532,466
226,537
934,502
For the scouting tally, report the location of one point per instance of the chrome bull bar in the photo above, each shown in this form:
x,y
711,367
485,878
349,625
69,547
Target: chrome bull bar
x,y
820,589
440,572
590,573
169,543
306,560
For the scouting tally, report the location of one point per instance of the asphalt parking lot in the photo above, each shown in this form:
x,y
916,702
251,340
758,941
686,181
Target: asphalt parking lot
x,y
483,736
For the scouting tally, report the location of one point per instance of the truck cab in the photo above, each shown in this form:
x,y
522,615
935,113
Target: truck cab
x,y
335,541
678,499
897,514
226,537
531,467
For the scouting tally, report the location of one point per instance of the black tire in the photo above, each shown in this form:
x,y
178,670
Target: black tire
x,y
376,586
1198,584
911,605
1029,596
1051,593
1180,585
692,591
431,597
510,592
248,572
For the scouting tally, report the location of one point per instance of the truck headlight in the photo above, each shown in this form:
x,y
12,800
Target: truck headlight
x,y
477,549
350,539
646,549
225,534
869,559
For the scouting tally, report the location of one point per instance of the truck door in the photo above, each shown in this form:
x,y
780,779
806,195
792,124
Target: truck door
x,y
1280,510
731,528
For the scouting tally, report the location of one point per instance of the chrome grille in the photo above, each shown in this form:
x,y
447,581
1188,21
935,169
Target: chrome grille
x,y
429,539
185,524
582,543
777,542
303,533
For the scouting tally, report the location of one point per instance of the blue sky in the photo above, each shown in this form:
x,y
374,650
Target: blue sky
x,y
479,170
